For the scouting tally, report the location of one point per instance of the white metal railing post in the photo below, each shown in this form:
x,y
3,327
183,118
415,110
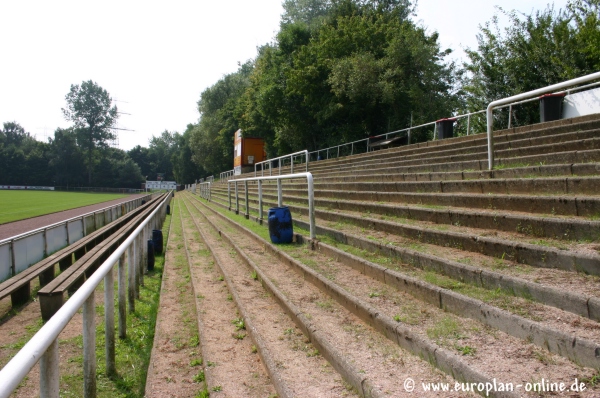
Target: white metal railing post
x,y
89,347
109,324
138,261
468,123
260,202
279,194
292,164
311,205
352,149
144,256
131,276
49,372
246,197
229,194
237,199
122,298
509,115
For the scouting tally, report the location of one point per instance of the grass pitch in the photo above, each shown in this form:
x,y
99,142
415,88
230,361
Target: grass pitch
x,y
18,205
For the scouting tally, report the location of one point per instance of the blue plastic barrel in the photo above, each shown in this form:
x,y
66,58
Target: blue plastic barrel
x,y
157,238
150,254
281,229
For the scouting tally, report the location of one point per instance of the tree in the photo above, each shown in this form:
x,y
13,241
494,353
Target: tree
x,y
66,158
362,70
220,113
534,51
90,108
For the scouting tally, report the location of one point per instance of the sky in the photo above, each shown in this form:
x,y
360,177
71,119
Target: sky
x,y
156,58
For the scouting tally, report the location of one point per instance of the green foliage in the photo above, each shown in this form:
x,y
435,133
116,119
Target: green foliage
x,y
90,108
534,51
211,141
362,70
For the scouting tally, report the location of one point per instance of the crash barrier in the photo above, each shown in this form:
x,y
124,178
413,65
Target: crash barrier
x,y
19,252
259,181
43,346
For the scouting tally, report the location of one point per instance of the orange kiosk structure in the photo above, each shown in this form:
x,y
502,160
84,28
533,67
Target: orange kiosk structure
x,y
246,152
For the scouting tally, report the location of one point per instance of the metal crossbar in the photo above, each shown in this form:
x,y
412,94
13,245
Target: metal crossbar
x,y
43,346
259,180
524,96
281,159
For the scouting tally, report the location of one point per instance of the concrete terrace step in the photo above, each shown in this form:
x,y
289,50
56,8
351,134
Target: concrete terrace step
x,y
583,140
509,246
590,122
345,286
402,174
546,226
539,284
539,186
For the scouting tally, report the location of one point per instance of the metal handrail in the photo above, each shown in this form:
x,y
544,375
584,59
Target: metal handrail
x,y
205,188
57,224
311,195
43,346
225,175
281,159
519,97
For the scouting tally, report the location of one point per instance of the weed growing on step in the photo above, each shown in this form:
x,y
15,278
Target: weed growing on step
x,y
199,377
239,324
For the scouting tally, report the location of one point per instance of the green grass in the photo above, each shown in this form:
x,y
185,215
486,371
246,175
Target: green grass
x,y
18,205
132,353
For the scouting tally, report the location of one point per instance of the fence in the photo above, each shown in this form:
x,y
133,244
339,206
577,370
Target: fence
x,y
280,160
98,189
520,97
259,180
43,346
19,252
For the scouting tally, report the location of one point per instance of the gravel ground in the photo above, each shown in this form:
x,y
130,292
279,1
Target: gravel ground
x,y
18,227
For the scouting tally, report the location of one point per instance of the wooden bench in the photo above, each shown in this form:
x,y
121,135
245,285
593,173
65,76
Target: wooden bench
x,y
19,286
51,296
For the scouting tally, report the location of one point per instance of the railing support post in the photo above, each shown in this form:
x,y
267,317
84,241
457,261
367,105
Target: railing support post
x,y
89,347
49,372
109,320
122,298
279,194
237,199
229,194
247,215
468,123
260,202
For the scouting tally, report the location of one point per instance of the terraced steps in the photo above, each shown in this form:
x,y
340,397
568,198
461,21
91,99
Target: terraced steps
x,y
418,322
412,238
